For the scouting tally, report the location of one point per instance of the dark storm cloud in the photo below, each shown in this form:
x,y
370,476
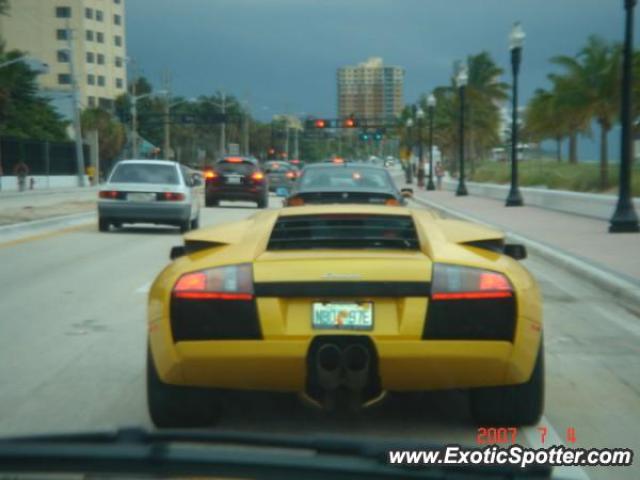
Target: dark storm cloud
x,y
284,53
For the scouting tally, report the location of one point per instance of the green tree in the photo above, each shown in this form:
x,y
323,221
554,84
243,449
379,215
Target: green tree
x,y
23,112
590,88
4,7
111,133
542,120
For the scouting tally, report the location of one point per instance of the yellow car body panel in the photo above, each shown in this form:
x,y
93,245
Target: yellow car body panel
x,y
406,362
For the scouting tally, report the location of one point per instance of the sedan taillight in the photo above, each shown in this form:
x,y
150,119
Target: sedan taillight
x,y
109,194
171,196
259,176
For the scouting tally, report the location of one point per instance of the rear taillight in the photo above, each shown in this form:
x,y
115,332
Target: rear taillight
x,y
392,202
110,194
257,176
209,174
291,175
295,202
232,282
455,282
171,196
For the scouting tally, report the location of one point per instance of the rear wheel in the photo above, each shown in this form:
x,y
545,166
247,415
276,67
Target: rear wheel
x,y
263,202
210,202
195,223
172,406
185,226
512,405
103,225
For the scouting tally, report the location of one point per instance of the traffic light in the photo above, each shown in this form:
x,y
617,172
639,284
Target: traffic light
x,y
364,136
349,123
377,136
320,123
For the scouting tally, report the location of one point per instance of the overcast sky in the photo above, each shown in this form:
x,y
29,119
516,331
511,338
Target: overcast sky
x,y
283,54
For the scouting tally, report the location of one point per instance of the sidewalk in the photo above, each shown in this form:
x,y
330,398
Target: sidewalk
x,y
30,205
580,237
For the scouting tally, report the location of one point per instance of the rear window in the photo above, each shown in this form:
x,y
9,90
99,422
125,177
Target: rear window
x,y
346,177
278,167
145,173
243,168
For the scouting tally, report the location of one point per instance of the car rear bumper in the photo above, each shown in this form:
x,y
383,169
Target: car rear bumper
x,y
251,193
281,365
144,212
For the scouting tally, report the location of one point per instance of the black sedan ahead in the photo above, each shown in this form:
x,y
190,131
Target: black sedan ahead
x,y
236,178
345,183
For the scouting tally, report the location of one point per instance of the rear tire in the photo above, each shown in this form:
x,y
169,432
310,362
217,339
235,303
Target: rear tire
x,y
511,405
103,225
210,202
195,223
172,406
263,203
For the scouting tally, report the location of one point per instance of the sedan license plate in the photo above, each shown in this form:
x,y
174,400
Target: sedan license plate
x,y
343,315
234,180
141,197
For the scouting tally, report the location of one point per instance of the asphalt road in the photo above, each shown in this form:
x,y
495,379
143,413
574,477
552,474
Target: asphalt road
x,y
72,351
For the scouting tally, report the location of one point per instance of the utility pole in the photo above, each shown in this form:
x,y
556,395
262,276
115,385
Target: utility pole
x,y
167,125
134,115
223,125
296,153
286,138
76,108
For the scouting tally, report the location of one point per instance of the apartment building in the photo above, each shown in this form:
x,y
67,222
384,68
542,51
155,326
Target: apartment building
x,y
93,29
370,90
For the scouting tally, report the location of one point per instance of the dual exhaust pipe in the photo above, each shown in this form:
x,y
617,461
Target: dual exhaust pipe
x,y
347,367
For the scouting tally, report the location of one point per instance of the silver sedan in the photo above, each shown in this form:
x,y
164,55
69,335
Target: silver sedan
x,y
150,191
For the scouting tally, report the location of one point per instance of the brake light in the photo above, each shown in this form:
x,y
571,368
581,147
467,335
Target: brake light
x,y
338,160
392,202
291,175
173,196
232,282
257,176
234,159
455,282
295,202
209,174
111,194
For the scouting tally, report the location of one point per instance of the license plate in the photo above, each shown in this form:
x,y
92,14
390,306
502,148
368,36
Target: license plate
x,y
141,197
235,180
343,315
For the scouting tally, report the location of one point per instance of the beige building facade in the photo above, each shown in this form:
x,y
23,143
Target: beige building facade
x,y
370,90
94,29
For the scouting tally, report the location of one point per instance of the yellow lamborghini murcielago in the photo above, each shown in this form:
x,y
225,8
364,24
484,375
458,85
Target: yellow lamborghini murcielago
x,y
343,304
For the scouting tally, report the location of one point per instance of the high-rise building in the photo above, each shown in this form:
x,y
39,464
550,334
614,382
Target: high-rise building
x,y
370,90
93,29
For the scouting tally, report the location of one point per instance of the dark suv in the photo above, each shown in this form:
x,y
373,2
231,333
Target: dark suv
x,y
236,178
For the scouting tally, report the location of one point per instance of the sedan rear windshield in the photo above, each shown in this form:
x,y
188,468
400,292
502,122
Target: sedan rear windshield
x,y
278,167
346,177
145,173
242,168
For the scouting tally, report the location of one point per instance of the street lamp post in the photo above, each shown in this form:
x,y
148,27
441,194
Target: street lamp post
x,y
625,218
420,118
516,39
134,118
461,80
431,104
409,172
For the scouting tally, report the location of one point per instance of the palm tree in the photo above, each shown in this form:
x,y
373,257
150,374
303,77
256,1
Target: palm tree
x,y
542,120
591,88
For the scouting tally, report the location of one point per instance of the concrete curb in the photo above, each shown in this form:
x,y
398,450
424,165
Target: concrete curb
x,y
626,291
47,224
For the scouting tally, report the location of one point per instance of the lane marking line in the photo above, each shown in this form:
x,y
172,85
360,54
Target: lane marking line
x,y
42,236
